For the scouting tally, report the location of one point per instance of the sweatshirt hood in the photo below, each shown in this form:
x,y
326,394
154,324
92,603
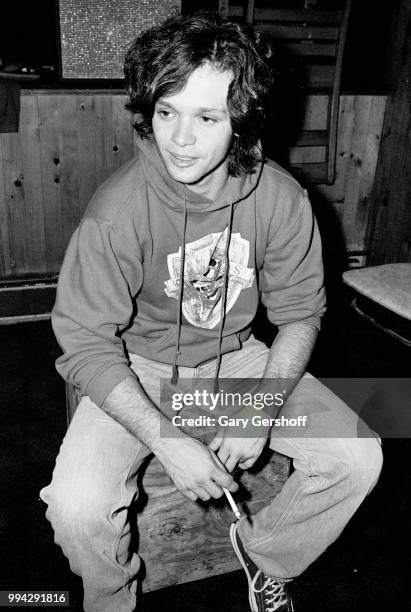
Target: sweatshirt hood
x,y
178,196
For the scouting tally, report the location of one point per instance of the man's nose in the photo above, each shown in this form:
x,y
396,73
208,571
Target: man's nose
x,y
183,133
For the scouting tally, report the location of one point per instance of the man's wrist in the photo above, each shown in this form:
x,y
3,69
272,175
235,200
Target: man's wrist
x,y
168,432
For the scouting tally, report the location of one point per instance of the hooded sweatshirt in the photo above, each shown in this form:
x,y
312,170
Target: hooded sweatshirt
x,y
122,288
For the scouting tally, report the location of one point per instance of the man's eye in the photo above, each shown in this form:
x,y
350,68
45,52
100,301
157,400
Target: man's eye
x,y
164,114
205,119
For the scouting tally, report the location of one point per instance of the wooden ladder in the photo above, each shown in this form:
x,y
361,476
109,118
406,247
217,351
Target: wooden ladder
x,y
315,39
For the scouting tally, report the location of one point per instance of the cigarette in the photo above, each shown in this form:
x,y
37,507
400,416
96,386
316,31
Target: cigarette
x,y
232,503
228,495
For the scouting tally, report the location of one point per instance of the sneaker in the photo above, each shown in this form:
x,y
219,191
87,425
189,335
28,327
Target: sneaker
x,y
265,594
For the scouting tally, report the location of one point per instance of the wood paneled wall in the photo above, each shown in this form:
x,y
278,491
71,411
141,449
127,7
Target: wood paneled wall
x,y
390,227
69,142
359,135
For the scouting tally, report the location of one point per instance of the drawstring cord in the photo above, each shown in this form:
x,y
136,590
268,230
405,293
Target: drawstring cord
x,y
223,299
174,376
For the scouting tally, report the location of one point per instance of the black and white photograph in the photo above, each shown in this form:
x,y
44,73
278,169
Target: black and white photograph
x,y
205,305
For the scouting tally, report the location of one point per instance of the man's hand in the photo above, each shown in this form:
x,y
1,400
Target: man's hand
x,y
286,363
244,451
189,463
191,467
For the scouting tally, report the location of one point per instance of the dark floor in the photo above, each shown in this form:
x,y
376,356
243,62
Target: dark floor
x,y
368,568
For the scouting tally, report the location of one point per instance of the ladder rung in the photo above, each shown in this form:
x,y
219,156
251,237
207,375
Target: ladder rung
x,y
313,173
311,138
298,32
296,16
308,48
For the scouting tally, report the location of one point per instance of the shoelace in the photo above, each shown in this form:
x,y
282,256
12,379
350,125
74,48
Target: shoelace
x,y
274,596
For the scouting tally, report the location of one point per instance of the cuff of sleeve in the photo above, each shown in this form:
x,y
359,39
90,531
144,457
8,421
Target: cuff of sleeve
x,y
314,321
99,387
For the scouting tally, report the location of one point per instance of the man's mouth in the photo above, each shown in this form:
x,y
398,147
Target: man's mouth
x,y
182,161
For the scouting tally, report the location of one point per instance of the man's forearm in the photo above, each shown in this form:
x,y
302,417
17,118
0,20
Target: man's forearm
x,y
291,351
188,462
289,356
129,405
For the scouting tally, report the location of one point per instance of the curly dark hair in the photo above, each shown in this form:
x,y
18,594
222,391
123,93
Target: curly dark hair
x,y
160,60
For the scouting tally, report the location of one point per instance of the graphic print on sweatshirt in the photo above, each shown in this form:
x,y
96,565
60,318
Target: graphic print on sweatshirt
x,y
204,272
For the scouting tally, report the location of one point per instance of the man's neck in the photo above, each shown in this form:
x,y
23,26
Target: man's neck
x,y
212,185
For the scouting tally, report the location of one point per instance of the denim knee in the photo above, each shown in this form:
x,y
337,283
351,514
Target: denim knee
x,y
73,516
359,461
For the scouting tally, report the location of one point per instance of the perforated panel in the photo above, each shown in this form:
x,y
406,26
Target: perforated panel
x,y
95,34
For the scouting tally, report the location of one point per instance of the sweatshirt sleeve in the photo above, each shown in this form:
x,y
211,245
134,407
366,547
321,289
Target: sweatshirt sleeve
x,y
292,278
100,275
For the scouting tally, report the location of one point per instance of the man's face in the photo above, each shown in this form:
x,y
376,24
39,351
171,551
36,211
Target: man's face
x,y
192,129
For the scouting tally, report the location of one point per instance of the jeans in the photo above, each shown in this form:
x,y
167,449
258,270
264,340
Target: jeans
x,y
94,483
